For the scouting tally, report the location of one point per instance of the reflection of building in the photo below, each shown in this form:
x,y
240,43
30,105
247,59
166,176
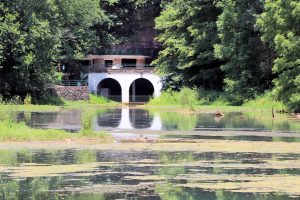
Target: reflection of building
x,y
126,78
129,119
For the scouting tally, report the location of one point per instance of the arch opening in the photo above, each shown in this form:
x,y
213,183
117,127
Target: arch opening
x,y
141,90
111,89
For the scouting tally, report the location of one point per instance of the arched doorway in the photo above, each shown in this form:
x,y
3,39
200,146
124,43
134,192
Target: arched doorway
x,y
111,89
141,90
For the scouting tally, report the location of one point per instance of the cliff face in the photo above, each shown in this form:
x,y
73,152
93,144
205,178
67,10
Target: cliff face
x,y
135,29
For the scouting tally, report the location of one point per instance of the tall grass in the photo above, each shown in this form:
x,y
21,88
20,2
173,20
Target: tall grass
x,y
87,119
13,130
266,101
21,132
87,123
94,99
186,98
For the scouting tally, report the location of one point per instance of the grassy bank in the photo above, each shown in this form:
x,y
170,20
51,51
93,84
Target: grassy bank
x,y
51,104
21,132
193,99
13,130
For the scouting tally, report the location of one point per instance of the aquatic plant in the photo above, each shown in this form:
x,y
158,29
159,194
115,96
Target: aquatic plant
x,y
87,117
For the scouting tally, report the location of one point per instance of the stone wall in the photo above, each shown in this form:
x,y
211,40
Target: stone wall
x,y
73,93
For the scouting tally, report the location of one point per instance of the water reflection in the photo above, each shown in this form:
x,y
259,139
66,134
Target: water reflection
x,y
131,118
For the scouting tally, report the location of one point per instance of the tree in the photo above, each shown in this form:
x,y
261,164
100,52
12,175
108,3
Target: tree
x,y
29,47
247,65
280,25
38,34
187,31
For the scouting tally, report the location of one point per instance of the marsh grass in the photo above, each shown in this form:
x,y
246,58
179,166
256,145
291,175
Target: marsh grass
x,y
266,101
87,118
20,132
200,99
187,98
13,130
87,123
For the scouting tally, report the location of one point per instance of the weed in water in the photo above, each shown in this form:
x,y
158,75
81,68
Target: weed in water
x,y
87,118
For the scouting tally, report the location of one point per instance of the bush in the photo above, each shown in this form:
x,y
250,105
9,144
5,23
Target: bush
x,y
167,97
188,97
15,100
51,100
27,100
10,116
294,103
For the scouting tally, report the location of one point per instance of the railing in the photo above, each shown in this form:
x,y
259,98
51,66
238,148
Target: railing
x,y
74,82
125,67
132,65
137,51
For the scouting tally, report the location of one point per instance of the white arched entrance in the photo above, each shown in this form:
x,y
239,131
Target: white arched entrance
x,y
125,80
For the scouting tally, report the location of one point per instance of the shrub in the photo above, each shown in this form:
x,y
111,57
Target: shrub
x,y
10,116
28,100
188,97
15,100
167,97
294,103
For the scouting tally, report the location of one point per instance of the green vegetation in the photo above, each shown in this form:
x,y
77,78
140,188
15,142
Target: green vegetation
x,y
201,98
239,49
280,26
188,31
244,47
87,118
12,130
186,98
93,100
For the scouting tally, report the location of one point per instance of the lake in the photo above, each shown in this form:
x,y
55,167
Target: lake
x,y
237,156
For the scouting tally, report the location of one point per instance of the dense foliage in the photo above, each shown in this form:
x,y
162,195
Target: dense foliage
x,y
37,35
246,73
280,25
249,46
188,31
242,47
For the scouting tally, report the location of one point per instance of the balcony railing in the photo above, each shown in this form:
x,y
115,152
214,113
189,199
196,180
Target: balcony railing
x,y
133,51
125,67
74,82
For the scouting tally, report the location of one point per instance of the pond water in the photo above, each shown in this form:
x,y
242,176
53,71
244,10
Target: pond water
x,y
141,119
190,165
142,174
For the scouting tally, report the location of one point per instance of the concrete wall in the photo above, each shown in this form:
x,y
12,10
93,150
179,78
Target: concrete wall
x,y
74,93
125,80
